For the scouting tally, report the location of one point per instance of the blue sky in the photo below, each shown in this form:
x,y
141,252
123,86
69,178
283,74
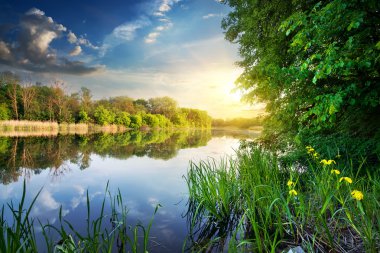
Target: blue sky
x,y
140,49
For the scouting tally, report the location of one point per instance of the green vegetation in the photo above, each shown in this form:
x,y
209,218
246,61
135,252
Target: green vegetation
x,y
316,66
20,236
253,204
242,123
50,103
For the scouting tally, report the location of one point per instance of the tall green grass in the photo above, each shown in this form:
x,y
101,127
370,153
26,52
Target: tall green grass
x,y
251,203
20,235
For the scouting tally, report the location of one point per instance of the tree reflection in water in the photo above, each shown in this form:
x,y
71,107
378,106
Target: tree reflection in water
x,y
25,156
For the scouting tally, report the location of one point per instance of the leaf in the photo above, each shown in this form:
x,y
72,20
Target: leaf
x,y
332,109
315,79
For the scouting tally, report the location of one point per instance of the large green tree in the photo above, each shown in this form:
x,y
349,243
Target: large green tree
x,y
315,64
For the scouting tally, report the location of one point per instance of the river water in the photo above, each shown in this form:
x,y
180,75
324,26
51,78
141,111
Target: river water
x,y
147,167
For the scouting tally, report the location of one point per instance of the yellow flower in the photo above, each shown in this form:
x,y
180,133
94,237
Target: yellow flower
x,y
347,179
293,193
327,162
358,195
310,149
336,172
316,155
290,183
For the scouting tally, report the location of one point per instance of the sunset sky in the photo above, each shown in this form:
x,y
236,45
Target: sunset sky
x,y
140,49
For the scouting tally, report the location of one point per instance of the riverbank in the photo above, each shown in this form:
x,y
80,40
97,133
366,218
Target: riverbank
x,y
251,203
24,128
21,128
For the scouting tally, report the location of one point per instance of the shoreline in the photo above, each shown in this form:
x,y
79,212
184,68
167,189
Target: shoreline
x,y
25,128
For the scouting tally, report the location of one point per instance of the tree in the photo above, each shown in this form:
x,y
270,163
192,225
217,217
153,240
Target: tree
x,y
142,105
315,65
122,103
151,120
163,105
4,112
122,118
136,121
83,117
28,93
11,81
86,96
103,116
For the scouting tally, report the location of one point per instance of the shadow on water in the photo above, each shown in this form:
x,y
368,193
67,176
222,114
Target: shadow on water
x,y
25,156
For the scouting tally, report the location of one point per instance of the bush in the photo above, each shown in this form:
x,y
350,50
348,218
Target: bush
x,y
136,121
122,118
4,112
103,116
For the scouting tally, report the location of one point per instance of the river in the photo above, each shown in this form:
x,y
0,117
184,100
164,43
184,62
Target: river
x,y
147,167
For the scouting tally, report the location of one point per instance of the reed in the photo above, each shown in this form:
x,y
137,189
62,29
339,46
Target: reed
x,y
120,236
25,125
23,128
271,208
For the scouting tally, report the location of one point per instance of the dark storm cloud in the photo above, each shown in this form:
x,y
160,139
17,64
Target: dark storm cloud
x,y
29,46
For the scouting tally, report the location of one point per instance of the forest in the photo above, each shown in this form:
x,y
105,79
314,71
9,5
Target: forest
x,y
37,102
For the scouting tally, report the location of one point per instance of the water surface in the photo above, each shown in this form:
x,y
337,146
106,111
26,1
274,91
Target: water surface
x,y
147,167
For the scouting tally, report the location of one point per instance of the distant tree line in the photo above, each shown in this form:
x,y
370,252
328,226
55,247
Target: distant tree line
x,y
243,123
51,103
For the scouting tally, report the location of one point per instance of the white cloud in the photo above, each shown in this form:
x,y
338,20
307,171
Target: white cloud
x,y
31,47
152,37
35,11
76,51
71,37
164,6
127,31
47,201
212,15
87,43
164,27
164,20
122,34
5,52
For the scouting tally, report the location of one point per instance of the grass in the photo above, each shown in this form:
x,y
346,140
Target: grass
x,y
20,236
252,204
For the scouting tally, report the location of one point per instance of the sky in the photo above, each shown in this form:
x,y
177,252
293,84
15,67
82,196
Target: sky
x,y
140,49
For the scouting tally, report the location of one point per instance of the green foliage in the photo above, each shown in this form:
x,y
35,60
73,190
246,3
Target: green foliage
x,y
103,116
151,120
262,206
122,118
243,123
316,65
180,119
197,118
4,112
83,117
163,105
136,121
163,121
